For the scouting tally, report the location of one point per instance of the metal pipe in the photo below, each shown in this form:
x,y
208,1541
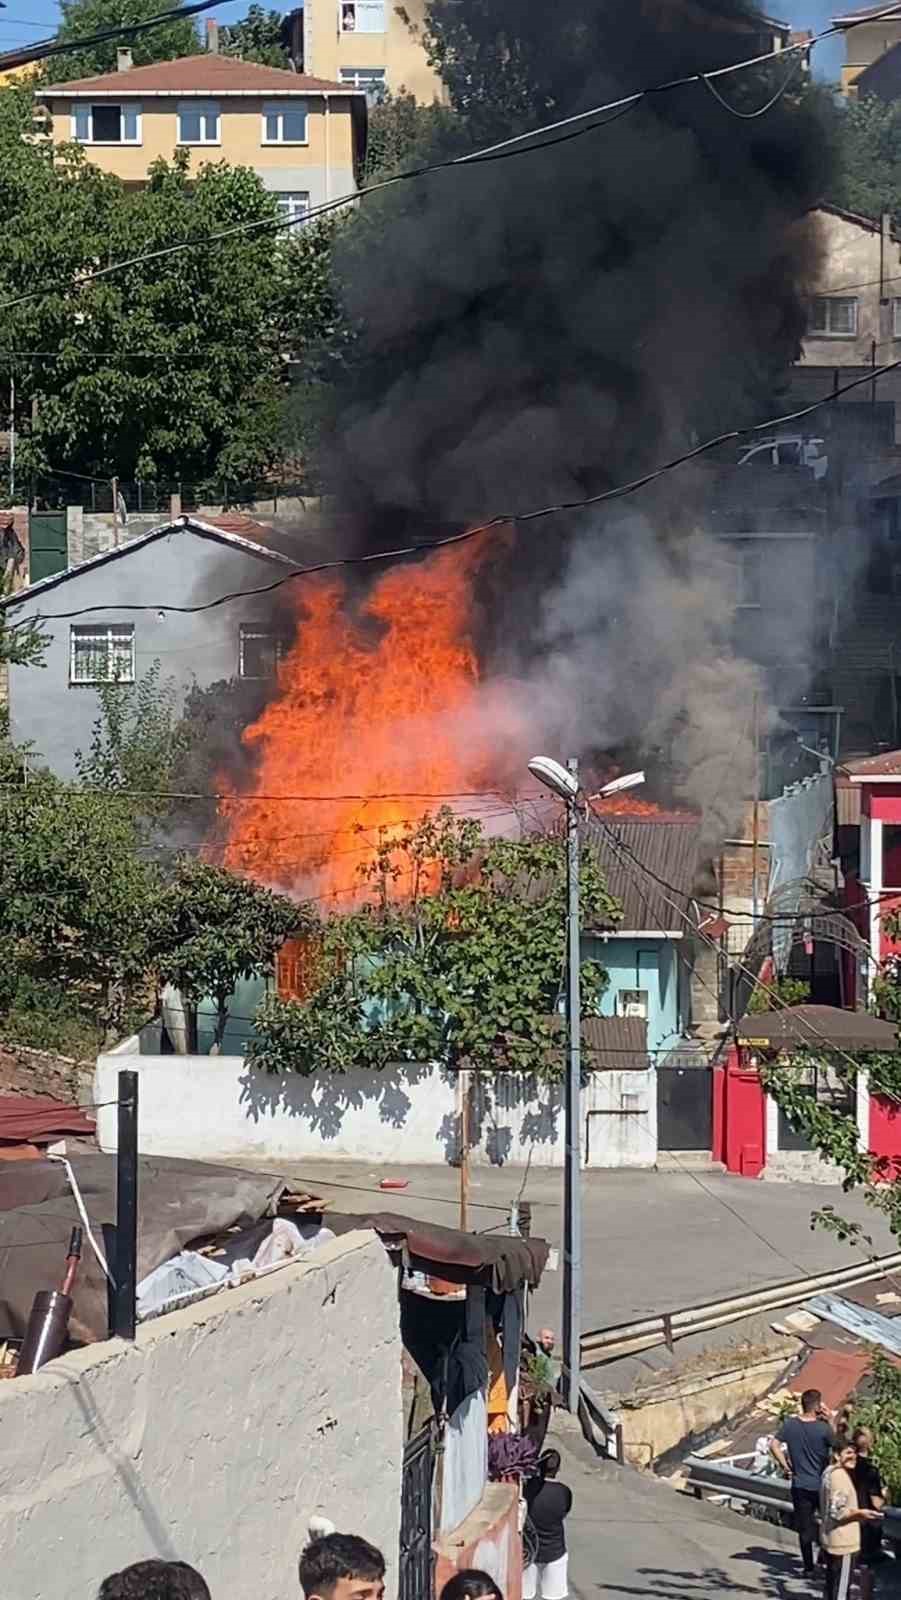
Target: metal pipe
x,y
126,1274
572,1198
628,1338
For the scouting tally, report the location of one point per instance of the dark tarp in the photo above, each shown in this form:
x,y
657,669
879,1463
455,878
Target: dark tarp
x,y
498,1261
446,1339
179,1202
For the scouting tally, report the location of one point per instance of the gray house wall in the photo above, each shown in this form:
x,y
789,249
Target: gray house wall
x,y
181,567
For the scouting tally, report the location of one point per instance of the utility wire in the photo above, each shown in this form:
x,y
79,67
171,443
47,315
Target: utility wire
x,y
524,143
502,519
43,49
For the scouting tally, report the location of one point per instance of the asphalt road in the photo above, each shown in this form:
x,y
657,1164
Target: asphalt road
x,y
653,1241
632,1536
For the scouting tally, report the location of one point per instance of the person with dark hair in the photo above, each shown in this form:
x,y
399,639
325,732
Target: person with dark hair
x,y
870,1497
155,1580
549,1503
471,1585
801,1448
841,1519
342,1566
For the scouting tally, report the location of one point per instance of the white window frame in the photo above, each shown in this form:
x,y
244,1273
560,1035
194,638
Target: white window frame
x,y
122,106
829,300
359,9
201,108
105,635
277,109
367,78
297,215
636,998
281,646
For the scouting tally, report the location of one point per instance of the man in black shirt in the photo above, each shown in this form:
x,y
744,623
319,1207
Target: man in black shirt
x,y
549,1503
870,1497
802,1448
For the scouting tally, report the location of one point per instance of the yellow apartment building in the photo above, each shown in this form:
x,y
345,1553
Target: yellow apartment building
x,y
374,45
300,134
869,37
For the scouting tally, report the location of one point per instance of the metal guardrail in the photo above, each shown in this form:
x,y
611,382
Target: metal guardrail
x,y
722,1477
609,1344
601,1427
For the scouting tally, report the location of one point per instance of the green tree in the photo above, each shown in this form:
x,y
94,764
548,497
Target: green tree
x,y
403,133
833,1133
784,992
82,18
208,928
257,37
137,742
465,968
73,889
195,392
868,179
879,1409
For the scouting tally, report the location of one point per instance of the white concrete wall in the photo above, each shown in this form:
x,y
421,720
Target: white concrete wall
x,y
808,1166
214,1438
220,1109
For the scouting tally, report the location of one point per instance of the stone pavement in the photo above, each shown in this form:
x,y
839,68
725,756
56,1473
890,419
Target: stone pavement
x,y
653,1241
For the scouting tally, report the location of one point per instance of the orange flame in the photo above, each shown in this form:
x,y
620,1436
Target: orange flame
x,y
376,718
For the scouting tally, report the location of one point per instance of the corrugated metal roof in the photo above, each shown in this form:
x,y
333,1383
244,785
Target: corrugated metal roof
x,y
668,850
615,1044
886,765
847,803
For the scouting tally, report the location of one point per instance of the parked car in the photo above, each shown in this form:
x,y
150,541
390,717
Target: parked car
x,y
790,450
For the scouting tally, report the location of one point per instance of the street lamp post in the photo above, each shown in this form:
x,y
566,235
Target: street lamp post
x,y
572,1191
564,782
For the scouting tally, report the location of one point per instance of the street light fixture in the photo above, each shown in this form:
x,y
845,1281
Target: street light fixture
x,y
564,782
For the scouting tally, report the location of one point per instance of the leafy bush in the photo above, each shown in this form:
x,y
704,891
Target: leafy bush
x,y
880,1411
784,992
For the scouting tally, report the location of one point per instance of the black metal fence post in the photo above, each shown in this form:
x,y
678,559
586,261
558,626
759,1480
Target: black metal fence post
x,y
126,1272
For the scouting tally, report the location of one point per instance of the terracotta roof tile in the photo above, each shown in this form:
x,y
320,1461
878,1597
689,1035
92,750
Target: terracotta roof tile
x,y
198,74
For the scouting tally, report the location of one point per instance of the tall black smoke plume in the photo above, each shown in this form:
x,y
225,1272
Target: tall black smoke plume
x,y
542,327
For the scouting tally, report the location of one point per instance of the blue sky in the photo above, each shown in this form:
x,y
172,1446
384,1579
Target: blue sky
x,y
25,20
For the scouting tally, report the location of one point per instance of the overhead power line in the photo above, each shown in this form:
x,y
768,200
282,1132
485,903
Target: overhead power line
x,y
575,126
502,519
44,49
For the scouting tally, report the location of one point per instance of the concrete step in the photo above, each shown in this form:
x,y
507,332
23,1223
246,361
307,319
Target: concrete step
x,y
687,1161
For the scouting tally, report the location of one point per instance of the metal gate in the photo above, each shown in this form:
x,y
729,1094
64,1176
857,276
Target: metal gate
x,y
684,1108
415,1563
47,548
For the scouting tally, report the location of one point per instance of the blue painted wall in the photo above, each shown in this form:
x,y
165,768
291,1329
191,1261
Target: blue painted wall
x,y
650,964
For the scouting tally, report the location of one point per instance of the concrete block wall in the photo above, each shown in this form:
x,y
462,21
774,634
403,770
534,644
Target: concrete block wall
x,y
24,1071
214,1438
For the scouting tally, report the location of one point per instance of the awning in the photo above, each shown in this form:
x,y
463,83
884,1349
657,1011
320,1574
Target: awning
x,y
499,1261
818,1027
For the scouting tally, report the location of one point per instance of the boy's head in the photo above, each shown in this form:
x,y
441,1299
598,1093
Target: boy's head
x,y
341,1566
155,1580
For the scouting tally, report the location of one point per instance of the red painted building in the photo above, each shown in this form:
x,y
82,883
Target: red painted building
x,y
751,1136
